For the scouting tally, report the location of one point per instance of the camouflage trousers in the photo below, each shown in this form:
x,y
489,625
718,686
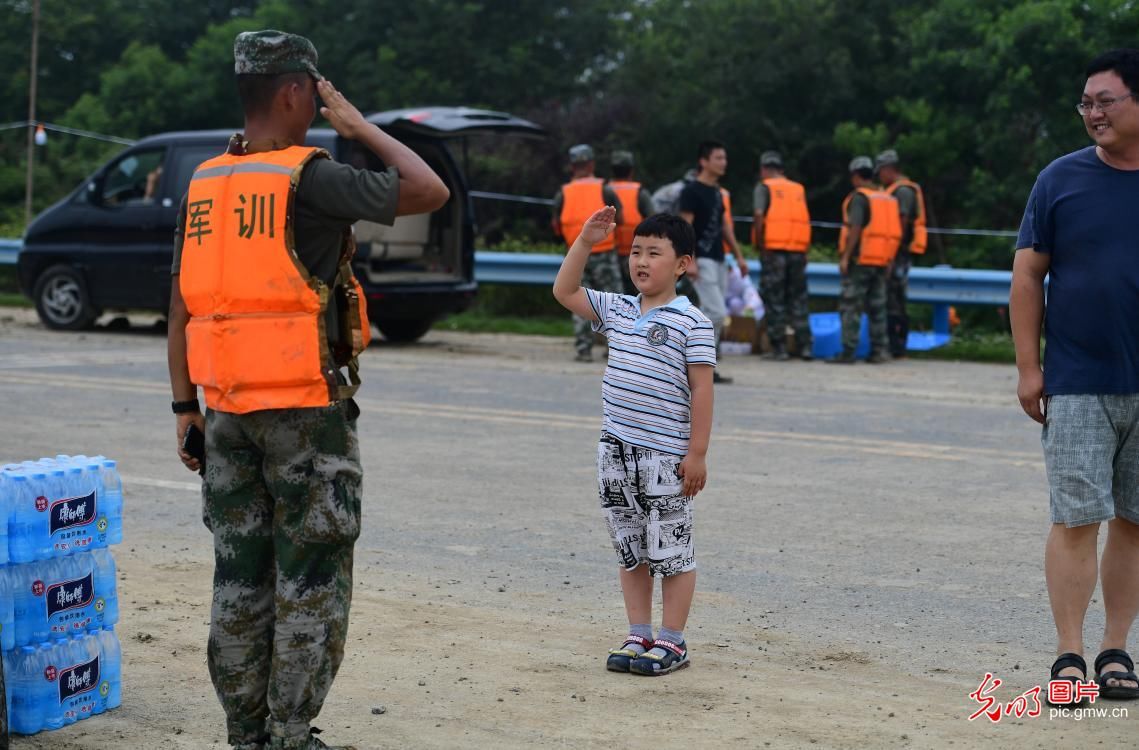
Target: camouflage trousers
x,y
897,318
783,286
282,497
863,290
603,274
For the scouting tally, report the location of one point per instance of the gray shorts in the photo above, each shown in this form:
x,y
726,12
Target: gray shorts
x,y
649,519
1091,451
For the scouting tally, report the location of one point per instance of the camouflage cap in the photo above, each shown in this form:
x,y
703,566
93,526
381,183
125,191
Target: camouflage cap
x,y
272,52
580,154
860,162
622,159
770,159
886,158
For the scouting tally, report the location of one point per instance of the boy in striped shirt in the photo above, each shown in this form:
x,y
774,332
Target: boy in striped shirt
x,y
657,401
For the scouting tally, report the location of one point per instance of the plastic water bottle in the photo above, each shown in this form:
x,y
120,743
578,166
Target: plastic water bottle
x,y
7,612
54,656
106,591
5,514
22,519
111,661
112,485
25,682
25,582
62,596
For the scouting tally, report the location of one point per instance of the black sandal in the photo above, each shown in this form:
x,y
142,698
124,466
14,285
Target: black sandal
x,y
1116,692
1063,661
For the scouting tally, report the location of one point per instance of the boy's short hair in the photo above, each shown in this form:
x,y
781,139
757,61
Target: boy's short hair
x,y
257,91
670,227
707,147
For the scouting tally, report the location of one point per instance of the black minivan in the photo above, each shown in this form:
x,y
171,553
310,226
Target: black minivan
x,y
108,245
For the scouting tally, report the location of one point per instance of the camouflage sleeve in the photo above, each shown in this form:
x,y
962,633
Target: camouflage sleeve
x,y
344,192
859,213
559,199
179,236
907,199
645,203
759,199
609,195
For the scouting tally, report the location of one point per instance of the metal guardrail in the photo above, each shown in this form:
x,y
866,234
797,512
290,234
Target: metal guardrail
x,y
941,286
9,249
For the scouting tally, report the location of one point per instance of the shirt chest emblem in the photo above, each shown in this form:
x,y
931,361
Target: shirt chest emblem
x,y
657,335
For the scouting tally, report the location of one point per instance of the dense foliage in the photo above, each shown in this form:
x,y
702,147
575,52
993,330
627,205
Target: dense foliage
x,y
977,96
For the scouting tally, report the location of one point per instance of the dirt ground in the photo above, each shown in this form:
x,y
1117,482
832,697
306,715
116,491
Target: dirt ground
x,y
476,623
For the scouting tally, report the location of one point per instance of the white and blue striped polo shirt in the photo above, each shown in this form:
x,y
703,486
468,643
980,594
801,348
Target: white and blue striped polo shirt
x,y
645,395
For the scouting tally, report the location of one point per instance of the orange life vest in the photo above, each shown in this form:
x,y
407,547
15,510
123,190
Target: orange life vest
x,y
786,223
580,199
629,194
256,337
882,234
729,224
921,236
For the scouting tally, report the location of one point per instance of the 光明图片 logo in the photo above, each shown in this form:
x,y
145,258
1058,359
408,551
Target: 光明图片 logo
x,y
1066,700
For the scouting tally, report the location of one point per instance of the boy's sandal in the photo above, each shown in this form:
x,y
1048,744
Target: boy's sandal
x,y
1063,662
675,657
619,658
1116,692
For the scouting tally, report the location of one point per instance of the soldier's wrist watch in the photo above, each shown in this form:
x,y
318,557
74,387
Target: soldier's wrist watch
x,y
185,407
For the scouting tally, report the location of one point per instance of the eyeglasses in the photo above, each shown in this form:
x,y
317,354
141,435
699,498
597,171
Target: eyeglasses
x,y
1103,105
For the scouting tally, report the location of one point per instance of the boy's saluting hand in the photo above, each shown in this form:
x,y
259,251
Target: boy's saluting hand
x,y
600,225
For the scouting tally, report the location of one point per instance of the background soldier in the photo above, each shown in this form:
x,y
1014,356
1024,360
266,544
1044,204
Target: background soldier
x,y
871,231
574,203
282,489
636,204
782,234
911,206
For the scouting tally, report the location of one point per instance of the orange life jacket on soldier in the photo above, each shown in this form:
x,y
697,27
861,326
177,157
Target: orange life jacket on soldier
x,y
729,224
628,193
921,236
882,234
786,223
256,337
580,199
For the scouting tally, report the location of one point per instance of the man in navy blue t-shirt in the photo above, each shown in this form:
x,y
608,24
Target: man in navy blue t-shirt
x,y
1081,229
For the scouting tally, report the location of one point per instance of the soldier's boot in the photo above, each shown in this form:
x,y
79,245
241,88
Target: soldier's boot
x,y
311,742
878,358
846,358
778,353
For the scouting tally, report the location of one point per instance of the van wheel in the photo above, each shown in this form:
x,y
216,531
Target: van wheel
x,y
404,330
62,300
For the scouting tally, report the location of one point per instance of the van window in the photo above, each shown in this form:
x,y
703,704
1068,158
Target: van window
x,y
133,179
182,167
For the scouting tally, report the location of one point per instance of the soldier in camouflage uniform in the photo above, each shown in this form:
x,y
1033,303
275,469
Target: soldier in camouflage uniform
x,y
282,486
602,271
863,286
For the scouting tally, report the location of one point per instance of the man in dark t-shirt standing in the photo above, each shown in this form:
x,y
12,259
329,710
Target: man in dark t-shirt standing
x,y
1080,230
702,205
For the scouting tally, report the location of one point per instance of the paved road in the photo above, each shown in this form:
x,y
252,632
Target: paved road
x,y
895,513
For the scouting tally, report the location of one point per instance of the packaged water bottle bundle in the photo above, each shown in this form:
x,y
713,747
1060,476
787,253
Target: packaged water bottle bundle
x,y
58,597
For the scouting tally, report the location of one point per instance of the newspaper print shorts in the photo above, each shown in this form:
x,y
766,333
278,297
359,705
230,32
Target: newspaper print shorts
x,y
649,519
